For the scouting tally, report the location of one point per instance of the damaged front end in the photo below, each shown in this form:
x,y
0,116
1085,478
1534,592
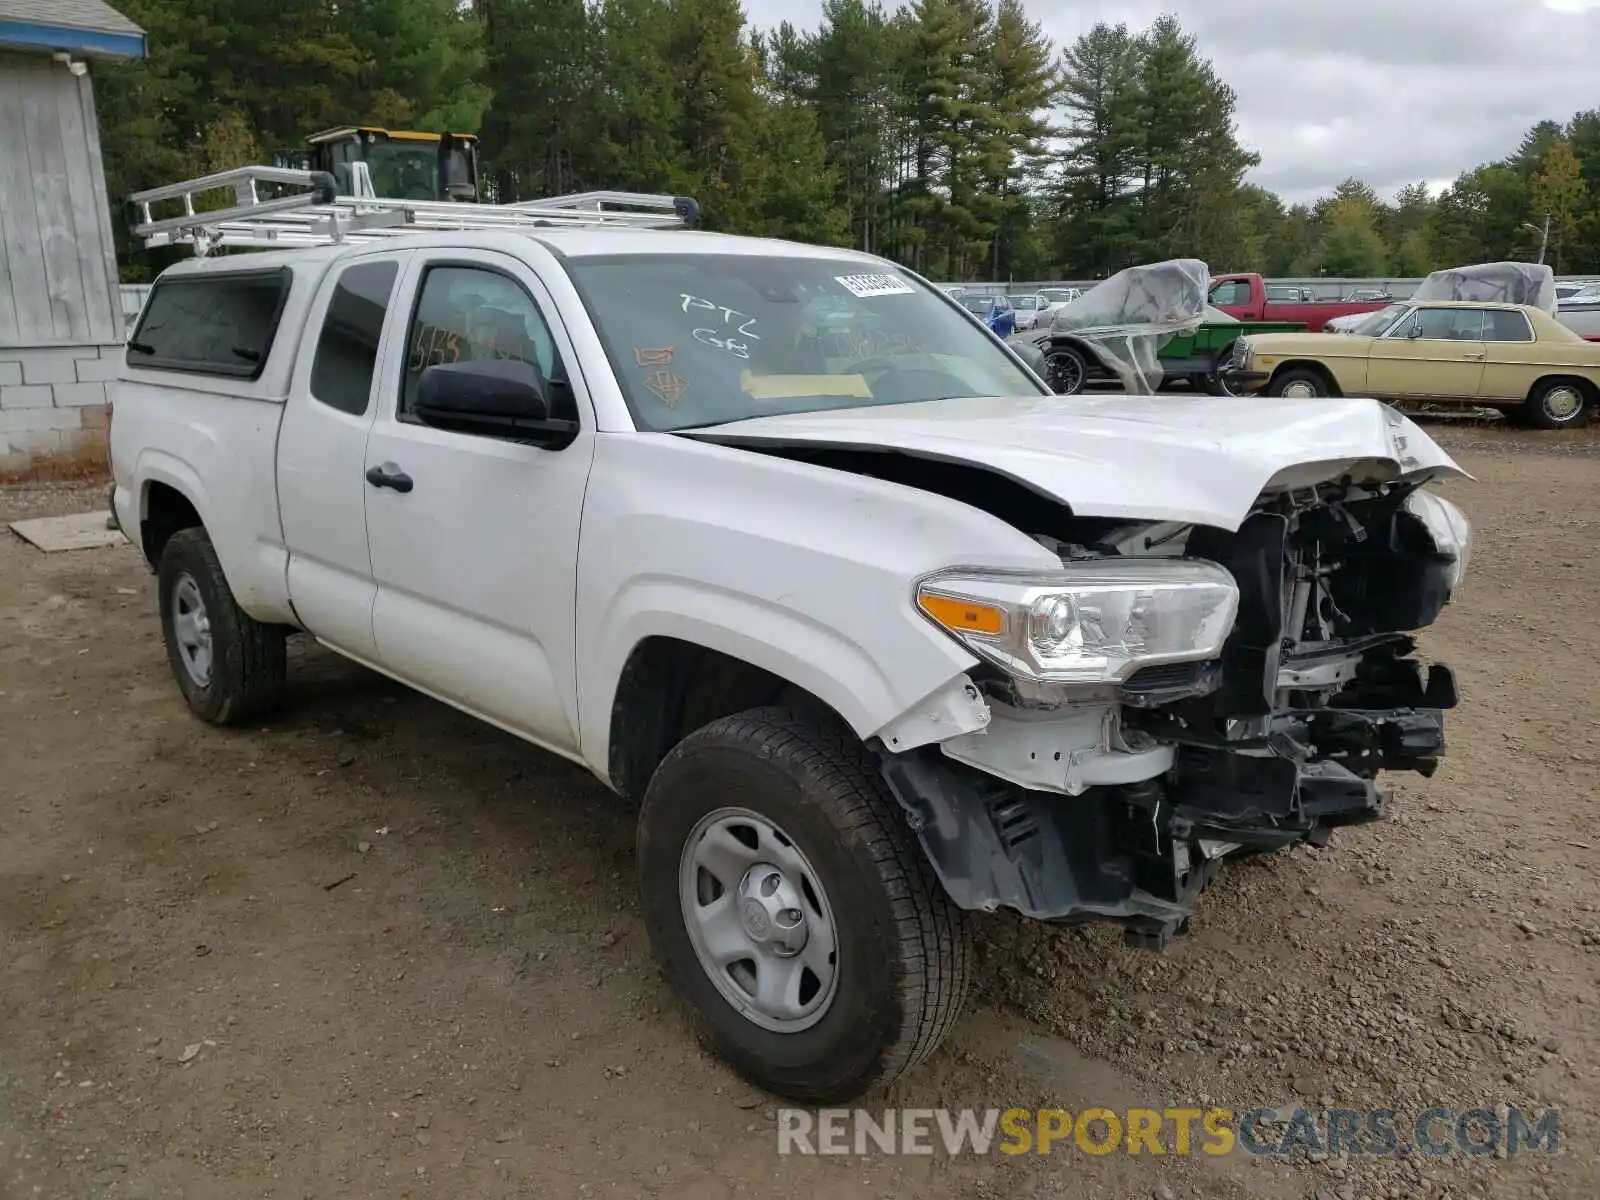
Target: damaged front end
x,y
1245,696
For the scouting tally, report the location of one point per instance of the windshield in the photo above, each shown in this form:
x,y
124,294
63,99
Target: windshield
x,y
700,339
1374,324
977,304
404,170
1025,302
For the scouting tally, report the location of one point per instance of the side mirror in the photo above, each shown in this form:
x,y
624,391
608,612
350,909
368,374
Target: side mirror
x,y
498,397
1415,331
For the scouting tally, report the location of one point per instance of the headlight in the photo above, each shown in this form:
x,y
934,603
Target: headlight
x,y
1448,526
1095,622
1243,352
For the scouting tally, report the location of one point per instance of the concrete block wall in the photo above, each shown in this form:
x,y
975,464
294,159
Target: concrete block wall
x,y
52,401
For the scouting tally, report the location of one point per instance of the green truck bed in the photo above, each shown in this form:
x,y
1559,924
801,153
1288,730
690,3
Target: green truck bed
x,y
1194,357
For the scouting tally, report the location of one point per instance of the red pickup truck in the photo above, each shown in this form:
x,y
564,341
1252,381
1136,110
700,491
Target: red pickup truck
x,y
1251,298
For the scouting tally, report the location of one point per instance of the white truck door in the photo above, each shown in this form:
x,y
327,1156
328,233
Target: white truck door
x,y
322,445
474,539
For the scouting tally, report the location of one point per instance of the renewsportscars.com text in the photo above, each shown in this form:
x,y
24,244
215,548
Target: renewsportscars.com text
x,y
1377,1132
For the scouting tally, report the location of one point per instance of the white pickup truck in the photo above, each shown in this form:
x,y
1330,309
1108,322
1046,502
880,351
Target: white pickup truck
x,y
781,543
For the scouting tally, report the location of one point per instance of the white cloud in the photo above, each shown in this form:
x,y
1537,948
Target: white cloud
x,y
1392,93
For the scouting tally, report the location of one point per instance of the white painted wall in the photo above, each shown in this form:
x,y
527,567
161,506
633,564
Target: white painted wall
x,y
61,314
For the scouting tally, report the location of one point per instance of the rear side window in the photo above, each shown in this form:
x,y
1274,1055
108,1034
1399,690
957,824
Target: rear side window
x,y
347,350
220,324
1506,325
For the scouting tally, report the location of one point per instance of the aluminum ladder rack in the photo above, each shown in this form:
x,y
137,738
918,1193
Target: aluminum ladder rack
x,y
317,215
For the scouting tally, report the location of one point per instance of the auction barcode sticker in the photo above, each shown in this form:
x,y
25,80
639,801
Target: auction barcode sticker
x,y
875,285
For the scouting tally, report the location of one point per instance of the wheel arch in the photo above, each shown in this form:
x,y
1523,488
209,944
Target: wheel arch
x,y
1311,365
669,687
1587,386
1069,341
170,498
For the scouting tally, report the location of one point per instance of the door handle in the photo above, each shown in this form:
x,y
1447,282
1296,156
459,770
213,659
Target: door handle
x,y
382,477
1475,356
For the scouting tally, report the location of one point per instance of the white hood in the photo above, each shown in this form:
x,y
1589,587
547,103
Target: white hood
x,y
1167,458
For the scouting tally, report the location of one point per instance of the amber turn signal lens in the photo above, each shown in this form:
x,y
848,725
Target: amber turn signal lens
x,y
963,616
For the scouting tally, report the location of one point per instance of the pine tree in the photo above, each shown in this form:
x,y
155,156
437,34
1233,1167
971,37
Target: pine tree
x,y
1022,86
1192,163
950,117
1101,97
854,57
639,104
539,129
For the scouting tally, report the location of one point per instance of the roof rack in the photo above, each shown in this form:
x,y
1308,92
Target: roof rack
x,y
318,215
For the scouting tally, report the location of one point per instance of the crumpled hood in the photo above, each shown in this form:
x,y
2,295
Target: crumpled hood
x,y
1169,458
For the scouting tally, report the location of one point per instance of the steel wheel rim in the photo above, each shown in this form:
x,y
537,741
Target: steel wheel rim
x,y
1065,372
1562,403
759,920
191,629
1300,391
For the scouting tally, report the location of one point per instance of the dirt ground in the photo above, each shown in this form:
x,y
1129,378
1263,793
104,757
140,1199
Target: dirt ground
x,y
375,949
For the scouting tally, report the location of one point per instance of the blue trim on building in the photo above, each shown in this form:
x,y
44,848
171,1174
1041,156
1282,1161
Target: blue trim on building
x,y
21,35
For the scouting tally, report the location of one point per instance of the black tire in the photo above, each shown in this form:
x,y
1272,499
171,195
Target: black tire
x,y
1303,376
1216,383
248,659
1066,370
1544,408
902,950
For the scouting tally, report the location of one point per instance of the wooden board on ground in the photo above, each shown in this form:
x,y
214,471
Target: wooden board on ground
x,y
81,531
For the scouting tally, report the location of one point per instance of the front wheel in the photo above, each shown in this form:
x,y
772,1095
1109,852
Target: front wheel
x,y
790,908
1557,404
1300,384
230,667
1217,383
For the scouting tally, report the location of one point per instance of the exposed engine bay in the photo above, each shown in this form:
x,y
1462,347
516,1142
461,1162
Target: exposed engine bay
x,y
1120,802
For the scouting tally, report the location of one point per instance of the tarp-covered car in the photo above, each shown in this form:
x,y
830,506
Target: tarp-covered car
x,y
1143,327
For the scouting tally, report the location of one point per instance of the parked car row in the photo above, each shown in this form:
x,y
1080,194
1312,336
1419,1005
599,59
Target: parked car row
x,y
1486,335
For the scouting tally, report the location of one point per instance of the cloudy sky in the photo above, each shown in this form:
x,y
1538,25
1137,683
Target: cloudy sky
x,y
1390,91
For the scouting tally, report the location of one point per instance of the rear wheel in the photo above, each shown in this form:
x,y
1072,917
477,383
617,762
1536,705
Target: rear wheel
x,y
1300,383
1558,404
791,909
230,667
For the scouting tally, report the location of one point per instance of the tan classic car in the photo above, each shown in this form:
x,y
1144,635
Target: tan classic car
x,y
1513,357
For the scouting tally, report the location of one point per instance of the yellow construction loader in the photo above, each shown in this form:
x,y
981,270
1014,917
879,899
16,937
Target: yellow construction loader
x,y
400,164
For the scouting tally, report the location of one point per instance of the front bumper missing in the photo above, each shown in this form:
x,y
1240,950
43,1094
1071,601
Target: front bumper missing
x,y
1242,381
1140,854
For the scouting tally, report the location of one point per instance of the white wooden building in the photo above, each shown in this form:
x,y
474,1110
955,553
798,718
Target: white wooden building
x,y
61,321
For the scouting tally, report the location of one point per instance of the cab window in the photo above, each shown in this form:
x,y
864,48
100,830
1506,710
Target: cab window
x,y
347,348
1233,291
